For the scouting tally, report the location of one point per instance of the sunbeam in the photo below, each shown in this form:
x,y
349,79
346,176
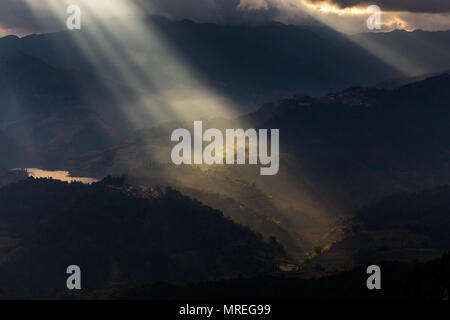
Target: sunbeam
x,y
118,41
327,13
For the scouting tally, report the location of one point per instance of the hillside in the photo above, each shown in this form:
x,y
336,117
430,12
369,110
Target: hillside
x,y
118,235
338,152
400,281
401,227
367,143
51,114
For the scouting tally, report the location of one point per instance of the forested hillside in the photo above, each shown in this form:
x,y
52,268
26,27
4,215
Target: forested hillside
x,y
118,235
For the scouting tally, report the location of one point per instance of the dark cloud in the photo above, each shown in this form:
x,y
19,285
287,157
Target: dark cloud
x,y
417,6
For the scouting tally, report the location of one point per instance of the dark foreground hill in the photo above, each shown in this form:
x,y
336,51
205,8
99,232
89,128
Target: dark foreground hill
x,y
399,281
118,235
403,227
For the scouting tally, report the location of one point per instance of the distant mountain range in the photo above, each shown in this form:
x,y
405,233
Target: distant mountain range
x,y
256,64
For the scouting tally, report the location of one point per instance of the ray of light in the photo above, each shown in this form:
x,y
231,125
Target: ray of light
x,y
118,41
325,13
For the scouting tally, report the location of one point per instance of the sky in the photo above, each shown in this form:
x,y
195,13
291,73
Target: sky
x,y
21,17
